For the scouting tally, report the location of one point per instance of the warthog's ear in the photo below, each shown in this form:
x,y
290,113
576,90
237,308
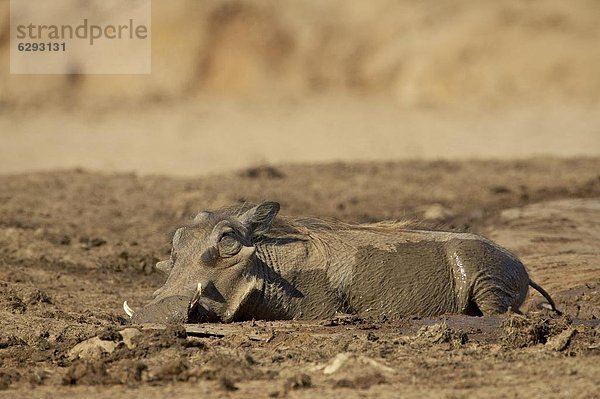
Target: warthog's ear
x,y
258,220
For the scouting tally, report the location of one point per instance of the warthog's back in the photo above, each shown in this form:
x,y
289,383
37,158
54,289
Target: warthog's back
x,y
412,279
383,269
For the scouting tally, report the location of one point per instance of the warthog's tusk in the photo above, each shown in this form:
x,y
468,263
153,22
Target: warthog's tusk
x,y
127,309
196,296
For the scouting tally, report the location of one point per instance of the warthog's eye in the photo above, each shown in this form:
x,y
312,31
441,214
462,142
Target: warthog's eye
x,y
229,245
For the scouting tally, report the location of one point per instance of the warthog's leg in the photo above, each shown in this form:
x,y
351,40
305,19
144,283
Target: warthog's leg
x,y
496,280
494,296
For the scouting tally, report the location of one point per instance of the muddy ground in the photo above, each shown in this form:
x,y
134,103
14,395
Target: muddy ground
x,y
74,245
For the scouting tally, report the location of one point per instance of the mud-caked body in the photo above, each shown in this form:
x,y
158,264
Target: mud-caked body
x,y
249,264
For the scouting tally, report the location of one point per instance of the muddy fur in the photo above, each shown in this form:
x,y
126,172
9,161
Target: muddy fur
x,y
307,268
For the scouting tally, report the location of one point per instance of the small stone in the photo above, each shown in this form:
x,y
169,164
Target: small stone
x,y
93,348
349,361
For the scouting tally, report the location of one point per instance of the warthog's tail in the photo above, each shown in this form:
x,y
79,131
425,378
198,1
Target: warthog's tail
x,y
542,291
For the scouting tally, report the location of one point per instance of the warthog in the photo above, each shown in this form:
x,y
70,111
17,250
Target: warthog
x,y
242,264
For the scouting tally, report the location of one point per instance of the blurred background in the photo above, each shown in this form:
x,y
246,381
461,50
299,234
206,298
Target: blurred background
x,y
242,83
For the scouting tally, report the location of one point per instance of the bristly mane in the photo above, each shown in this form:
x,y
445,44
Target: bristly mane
x,y
301,227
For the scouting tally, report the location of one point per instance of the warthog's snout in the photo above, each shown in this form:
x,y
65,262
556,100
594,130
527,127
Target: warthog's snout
x,y
175,310
169,310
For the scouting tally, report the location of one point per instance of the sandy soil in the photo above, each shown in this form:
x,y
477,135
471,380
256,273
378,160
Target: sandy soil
x,y
74,245
197,138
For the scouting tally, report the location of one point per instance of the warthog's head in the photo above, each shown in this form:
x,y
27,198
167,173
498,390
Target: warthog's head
x,y
211,269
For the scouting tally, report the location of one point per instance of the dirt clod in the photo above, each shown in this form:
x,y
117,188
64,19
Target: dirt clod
x,y
7,377
439,334
300,381
364,381
561,341
520,331
36,296
6,341
171,370
86,373
110,333
227,384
